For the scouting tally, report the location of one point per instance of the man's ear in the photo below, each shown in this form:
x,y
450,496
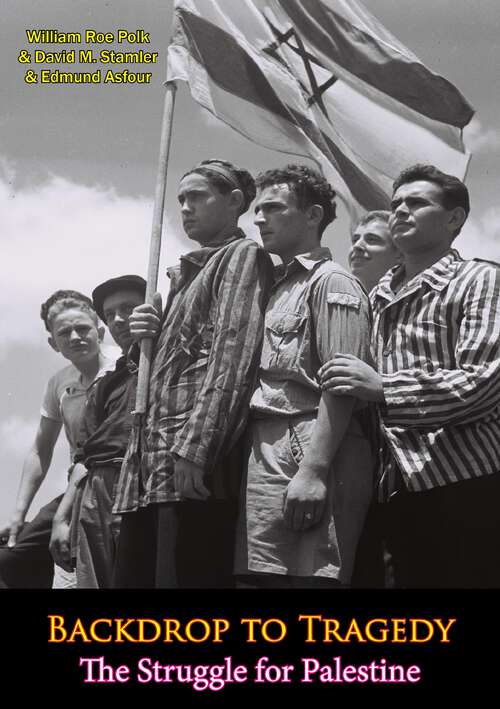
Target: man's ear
x,y
315,214
456,220
52,343
237,200
100,331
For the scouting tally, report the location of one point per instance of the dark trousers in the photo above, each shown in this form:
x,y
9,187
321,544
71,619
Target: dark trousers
x,y
447,537
187,544
29,564
369,570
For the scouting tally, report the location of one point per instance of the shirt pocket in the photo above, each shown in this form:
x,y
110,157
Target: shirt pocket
x,y
285,340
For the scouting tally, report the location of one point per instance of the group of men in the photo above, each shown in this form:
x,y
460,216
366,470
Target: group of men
x,y
299,433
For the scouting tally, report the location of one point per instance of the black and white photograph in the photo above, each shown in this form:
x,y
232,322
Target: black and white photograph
x,y
251,336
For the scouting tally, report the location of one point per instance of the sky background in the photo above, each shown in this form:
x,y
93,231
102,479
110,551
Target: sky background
x,y
78,170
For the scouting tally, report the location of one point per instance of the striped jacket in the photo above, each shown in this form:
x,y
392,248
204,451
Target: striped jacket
x,y
437,345
204,370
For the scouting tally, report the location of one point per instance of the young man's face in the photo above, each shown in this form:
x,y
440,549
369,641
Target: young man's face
x,y
76,336
282,225
419,222
205,211
116,308
372,252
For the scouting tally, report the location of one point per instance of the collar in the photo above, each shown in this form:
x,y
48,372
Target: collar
x,y
436,276
440,273
317,255
200,257
106,364
308,261
129,360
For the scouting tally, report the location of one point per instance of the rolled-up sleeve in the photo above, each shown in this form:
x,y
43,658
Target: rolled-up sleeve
x,y
342,317
51,407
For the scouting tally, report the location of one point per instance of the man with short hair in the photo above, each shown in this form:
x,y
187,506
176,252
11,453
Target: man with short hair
x,y
437,342
178,493
372,251
103,440
309,477
72,323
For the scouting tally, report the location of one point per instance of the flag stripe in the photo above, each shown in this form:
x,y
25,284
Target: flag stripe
x,y
226,62
393,136
367,193
360,53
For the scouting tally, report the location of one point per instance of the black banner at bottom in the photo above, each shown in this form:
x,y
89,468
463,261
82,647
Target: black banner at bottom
x,y
235,646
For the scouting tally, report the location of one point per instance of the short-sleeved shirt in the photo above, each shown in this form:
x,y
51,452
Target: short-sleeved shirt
x,y
65,396
316,309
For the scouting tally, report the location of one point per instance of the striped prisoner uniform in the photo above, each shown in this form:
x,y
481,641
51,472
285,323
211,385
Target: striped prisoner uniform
x,y
437,344
204,369
437,347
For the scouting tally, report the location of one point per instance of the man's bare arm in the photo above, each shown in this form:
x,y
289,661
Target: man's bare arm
x,y
60,538
305,496
36,465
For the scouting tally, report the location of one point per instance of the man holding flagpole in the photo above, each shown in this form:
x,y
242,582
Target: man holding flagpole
x,y
178,492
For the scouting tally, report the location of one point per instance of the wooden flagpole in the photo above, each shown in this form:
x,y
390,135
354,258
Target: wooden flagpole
x,y
155,245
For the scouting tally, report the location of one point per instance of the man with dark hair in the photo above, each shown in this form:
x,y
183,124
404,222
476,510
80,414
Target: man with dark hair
x,y
372,251
72,323
309,474
102,442
453,192
437,343
178,493
217,171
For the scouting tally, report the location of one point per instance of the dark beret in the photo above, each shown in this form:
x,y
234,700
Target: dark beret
x,y
115,284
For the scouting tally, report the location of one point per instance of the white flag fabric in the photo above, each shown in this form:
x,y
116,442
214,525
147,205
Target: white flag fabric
x,y
321,79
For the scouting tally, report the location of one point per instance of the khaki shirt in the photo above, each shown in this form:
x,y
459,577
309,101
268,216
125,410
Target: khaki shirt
x,y
316,310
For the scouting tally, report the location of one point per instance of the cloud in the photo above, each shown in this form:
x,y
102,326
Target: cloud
x,y
17,435
480,238
479,139
60,234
